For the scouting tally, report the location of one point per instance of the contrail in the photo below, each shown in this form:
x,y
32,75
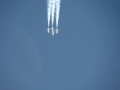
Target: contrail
x,y
57,7
53,11
48,11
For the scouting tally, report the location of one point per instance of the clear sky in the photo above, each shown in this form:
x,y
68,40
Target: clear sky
x,y
85,55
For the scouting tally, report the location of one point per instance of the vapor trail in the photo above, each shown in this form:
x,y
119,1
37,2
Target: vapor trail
x,y
57,7
48,11
53,10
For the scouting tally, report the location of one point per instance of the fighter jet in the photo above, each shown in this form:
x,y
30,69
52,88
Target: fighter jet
x,y
52,31
48,30
57,31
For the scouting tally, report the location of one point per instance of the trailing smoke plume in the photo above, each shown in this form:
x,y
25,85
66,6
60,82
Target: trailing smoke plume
x,y
57,6
53,10
48,11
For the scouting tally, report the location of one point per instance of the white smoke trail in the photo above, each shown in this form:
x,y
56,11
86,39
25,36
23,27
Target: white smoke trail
x,y
48,11
52,11
57,7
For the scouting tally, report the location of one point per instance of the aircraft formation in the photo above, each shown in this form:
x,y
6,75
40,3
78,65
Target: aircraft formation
x,y
53,10
52,30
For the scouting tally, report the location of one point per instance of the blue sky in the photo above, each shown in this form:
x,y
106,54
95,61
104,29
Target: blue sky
x,y
85,55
